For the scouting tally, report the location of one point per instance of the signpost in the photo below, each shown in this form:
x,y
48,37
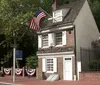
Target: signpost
x,y
17,55
14,50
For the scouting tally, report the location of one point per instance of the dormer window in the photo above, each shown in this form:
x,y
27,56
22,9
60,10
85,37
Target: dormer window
x,y
59,15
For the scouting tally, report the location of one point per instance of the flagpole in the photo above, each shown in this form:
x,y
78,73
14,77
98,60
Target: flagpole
x,y
47,13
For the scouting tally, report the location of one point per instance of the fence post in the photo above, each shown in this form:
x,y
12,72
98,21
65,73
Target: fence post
x,y
23,71
11,71
1,69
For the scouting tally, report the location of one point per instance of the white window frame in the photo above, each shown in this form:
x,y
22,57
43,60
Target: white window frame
x,y
50,68
43,41
56,40
64,39
44,65
57,16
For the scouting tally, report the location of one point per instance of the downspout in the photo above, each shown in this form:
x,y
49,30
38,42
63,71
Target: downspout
x,y
75,52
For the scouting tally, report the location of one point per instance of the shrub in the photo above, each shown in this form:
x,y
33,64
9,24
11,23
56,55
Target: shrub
x,y
94,65
1,74
32,61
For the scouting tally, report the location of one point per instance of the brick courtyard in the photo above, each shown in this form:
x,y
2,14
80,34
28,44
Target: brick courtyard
x,y
34,81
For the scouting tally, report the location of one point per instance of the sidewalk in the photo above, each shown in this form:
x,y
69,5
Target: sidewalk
x,y
33,81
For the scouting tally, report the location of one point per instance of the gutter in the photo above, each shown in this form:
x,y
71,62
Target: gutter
x,y
75,53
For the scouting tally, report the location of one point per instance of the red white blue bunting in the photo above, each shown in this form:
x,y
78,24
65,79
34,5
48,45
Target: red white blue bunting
x,y
7,71
30,72
18,71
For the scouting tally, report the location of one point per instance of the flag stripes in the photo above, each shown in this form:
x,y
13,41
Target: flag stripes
x,y
35,22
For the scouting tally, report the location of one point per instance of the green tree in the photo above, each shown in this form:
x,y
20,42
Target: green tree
x,y
14,18
95,6
32,61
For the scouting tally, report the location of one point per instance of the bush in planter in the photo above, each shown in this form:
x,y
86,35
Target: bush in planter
x,y
95,65
1,74
32,61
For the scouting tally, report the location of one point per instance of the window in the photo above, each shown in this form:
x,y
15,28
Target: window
x,y
57,16
45,40
49,64
58,37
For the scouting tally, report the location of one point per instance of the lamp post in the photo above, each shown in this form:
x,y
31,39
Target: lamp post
x,y
14,56
14,50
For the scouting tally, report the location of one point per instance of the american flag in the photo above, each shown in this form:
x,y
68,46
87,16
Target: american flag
x,y
34,24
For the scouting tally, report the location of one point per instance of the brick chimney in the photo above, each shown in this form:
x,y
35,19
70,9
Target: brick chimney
x,y
54,5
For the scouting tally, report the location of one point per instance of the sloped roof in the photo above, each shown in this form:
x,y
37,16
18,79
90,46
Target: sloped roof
x,y
55,49
75,7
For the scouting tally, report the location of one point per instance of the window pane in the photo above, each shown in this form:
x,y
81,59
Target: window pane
x,y
58,38
45,40
49,64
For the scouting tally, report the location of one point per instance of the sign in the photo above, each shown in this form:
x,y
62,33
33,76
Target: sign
x,y
19,54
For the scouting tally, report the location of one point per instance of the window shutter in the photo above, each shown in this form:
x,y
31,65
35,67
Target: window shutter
x,y
64,38
43,65
51,39
55,64
39,41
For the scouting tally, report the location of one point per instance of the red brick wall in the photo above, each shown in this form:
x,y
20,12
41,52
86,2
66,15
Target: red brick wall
x,y
39,69
89,76
60,67
41,75
70,38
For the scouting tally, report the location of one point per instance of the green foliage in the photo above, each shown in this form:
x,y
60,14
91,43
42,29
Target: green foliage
x,y
32,61
96,44
14,25
46,5
95,6
94,65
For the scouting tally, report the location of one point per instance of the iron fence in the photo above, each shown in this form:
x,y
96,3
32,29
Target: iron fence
x,y
87,56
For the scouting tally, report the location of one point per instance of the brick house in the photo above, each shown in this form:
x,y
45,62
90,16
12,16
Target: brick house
x,y
59,41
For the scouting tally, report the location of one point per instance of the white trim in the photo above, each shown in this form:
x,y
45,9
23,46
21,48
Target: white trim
x,y
55,54
39,41
55,64
68,56
60,28
49,71
64,38
65,27
43,64
51,39
45,31
78,68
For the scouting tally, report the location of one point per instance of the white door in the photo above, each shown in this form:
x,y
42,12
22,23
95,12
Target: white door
x,y
68,68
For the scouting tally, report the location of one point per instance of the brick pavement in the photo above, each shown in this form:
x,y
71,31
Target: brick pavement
x,y
34,81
